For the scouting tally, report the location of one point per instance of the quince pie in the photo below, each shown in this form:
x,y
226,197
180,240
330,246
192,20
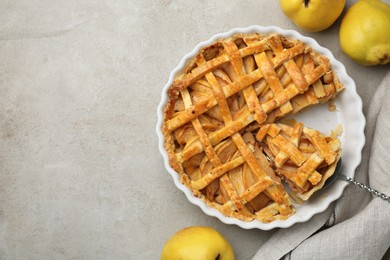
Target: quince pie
x,y
223,132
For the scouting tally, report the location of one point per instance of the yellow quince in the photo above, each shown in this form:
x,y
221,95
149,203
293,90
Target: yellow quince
x,y
365,32
313,15
197,242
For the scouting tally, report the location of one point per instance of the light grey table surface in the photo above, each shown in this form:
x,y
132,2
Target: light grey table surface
x,y
80,173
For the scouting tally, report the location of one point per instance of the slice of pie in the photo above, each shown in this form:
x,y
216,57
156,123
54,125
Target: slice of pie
x,y
303,157
222,131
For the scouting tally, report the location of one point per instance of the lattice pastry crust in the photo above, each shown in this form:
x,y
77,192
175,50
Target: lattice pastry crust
x,y
221,125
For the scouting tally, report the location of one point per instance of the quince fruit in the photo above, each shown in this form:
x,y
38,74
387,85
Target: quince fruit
x,y
365,32
313,15
195,243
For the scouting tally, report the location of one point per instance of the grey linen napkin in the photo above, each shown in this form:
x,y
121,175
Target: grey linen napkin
x,y
357,226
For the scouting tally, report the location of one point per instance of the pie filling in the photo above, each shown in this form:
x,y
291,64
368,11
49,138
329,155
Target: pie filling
x,y
223,125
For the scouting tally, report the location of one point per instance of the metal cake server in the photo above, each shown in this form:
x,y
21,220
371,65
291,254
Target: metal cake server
x,y
337,175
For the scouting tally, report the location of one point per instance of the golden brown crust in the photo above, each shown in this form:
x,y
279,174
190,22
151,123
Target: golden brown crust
x,y
220,131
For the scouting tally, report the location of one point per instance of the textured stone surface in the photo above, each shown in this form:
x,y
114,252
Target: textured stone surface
x,y
80,173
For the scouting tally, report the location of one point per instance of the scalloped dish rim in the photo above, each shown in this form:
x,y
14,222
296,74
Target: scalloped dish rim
x,y
353,130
